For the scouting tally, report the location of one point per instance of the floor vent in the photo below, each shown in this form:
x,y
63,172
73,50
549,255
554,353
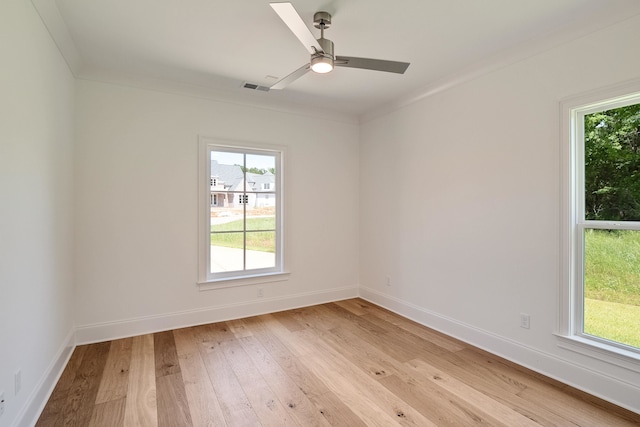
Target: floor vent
x,y
254,86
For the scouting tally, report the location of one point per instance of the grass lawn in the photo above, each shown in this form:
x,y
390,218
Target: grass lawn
x,y
612,285
613,321
230,234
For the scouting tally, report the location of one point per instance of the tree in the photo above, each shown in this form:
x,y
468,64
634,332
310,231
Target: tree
x,y
255,170
612,164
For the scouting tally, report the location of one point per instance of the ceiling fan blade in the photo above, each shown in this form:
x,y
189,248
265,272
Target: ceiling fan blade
x,y
371,64
292,19
286,81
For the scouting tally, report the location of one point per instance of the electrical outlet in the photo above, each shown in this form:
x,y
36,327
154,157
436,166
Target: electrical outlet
x,y
260,292
388,280
1,403
525,320
18,381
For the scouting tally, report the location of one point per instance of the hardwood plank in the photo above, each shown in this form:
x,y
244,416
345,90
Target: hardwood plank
x,y
438,405
166,358
203,402
326,403
171,397
373,360
389,345
203,333
372,397
292,397
362,323
115,379
415,328
355,306
239,329
492,409
536,383
441,405
314,317
221,332
492,376
52,412
78,408
264,401
295,343
234,404
574,410
406,338
373,403
109,413
186,341
290,322
141,406
172,407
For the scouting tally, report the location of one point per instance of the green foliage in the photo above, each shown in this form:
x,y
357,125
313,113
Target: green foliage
x,y
259,171
612,164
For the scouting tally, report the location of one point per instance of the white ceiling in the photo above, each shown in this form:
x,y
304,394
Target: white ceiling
x,y
210,47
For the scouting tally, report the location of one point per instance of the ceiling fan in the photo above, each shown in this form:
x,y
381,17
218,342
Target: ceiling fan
x,y
321,50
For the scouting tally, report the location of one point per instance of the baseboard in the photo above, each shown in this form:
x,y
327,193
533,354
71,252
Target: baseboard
x,y
618,392
28,416
100,332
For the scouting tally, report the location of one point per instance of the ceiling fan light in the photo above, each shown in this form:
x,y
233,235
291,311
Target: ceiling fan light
x,y
321,64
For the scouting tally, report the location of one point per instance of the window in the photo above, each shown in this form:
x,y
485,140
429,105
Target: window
x,y
600,293
241,236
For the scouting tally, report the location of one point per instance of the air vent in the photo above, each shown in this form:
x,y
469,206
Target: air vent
x,y
254,86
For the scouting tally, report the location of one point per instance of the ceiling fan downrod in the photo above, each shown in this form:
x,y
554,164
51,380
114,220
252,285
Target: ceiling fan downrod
x,y
323,62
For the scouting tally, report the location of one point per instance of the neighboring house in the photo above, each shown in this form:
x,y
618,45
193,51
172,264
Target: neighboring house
x,y
228,187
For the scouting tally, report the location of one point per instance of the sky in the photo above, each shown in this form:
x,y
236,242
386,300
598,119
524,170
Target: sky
x,y
253,160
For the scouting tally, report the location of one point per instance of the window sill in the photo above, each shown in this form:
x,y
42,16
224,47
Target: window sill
x,y
598,350
233,282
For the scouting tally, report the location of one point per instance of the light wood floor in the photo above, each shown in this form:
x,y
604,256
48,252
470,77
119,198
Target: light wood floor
x,y
348,363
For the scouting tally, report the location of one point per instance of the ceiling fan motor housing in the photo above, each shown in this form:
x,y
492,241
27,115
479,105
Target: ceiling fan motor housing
x,y
327,46
323,62
322,20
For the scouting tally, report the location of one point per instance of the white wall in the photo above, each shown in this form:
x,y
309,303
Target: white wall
x,y
136,189
36,209
480,243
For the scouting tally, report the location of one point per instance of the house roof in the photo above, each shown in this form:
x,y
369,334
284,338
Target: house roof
x,y
258,180
231,176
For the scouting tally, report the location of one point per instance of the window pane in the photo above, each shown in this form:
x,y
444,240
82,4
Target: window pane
x,y
261,179
612,164
261,249
612,285
262,218
227,253
261,164
224,219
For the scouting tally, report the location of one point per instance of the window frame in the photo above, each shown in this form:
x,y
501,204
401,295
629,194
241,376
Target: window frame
x,y
206,279
570,325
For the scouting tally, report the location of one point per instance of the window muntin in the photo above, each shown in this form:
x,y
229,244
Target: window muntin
x,y
603,229
242,233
